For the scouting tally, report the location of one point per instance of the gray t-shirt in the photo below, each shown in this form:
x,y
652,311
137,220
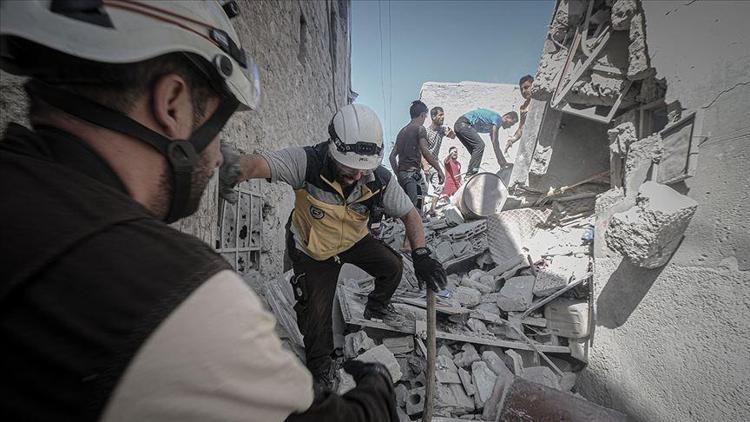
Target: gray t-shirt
x,y
289,165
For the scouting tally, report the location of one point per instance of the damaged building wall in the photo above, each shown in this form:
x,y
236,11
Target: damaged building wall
x,y
672,260
462,97
302,50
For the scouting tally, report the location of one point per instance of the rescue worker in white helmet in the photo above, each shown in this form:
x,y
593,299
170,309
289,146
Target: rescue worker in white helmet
x,y
106,312
338,185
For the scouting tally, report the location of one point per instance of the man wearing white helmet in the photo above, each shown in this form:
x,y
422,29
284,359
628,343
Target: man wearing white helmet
x,y
338,185
107,313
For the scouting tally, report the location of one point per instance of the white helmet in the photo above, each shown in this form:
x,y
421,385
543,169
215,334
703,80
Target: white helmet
x,y
127,31
356,137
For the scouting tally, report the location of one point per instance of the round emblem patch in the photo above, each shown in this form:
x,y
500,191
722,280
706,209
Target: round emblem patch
x,y
316,212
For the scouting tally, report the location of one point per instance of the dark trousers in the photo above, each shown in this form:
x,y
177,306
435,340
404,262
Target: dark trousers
x,y
474,143
318,282
415,186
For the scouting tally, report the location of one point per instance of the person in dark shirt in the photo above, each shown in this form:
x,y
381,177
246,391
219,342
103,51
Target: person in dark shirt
x,y
406,156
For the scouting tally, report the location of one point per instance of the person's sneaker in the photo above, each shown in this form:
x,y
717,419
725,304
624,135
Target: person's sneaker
x,y
388,315
326,379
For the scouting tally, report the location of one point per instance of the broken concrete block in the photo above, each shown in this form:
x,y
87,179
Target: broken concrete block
x,y
541,375
452,215
346,382
452,399
467,356
495,364
516,294
568,317
382,355
401,393
446,371
465,377
622,12
490,308
443,252
484,382
650,232
517,361
356,344
473,284
560,271
445,351
399,345
415,401
540,161
466,296
461,248
639,62
640,157
476,326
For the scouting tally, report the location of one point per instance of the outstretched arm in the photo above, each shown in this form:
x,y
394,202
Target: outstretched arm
x,y
496,147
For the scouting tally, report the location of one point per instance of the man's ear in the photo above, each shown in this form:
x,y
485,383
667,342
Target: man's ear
x,y
172,107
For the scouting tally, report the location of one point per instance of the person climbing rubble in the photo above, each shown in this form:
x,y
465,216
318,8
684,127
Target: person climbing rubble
x,y
482,120
406,156
338,184
525,85
116,316
435,133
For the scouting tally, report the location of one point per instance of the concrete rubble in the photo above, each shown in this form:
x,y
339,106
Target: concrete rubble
x,y
486,317
650,232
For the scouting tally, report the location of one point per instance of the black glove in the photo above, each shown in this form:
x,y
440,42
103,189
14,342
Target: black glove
x,y
229,173
428,270
359,370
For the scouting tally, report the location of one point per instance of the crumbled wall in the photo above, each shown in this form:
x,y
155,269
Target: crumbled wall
x,y
459,98
302,50
672,342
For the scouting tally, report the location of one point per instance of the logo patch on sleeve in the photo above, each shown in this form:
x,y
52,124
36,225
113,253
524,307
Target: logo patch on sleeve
x,y
316,212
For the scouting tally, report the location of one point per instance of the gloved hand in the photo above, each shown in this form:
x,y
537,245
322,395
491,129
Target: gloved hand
x,y
359,370
229,173
428,270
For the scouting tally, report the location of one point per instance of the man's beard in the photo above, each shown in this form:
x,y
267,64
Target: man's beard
x,y
198,182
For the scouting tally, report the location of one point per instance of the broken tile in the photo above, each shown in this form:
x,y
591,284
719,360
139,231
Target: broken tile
x,y
399,345
491,308
516,294
476,325
465,377
484,382
541,375
446,371
357,343
382,355
467,356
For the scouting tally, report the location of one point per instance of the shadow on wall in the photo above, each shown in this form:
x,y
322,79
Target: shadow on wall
x,y
624,290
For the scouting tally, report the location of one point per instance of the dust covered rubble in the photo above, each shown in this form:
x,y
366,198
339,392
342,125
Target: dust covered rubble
x,y
488,300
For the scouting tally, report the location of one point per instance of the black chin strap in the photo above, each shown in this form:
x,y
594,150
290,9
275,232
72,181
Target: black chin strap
x,y
180,154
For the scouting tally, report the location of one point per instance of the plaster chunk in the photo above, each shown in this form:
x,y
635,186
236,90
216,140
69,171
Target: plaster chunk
x,y
517,361
559,273
443,252
650,232
639,61
622,12
452,399
640,156
477,326
381,354
540,161
467,356
516,294
496,364
356,344
544,81
474,284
